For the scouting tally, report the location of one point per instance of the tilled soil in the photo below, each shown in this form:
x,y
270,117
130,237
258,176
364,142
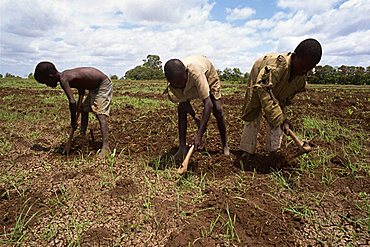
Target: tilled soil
x,y
138,200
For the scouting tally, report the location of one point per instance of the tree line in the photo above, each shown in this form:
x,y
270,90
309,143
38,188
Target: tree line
x,y
151,69
345,75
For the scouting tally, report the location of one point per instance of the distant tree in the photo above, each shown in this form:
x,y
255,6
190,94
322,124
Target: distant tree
x,y
229,74
360,70
30,76
153,62
1,76
150,70
225,75
246,76
114,77
8,75
144,73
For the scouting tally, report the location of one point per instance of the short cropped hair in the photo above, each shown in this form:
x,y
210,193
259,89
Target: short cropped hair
x,y
174,68
43,70
309,49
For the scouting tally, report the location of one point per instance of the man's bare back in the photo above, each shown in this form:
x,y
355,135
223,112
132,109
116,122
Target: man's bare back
x,y
83,78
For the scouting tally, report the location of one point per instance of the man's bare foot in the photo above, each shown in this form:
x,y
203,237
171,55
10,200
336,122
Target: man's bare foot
x,y
105,152
82,137
67,148
180,154
226,150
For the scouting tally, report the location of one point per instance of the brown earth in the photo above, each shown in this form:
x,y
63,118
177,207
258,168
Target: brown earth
x,y
239,204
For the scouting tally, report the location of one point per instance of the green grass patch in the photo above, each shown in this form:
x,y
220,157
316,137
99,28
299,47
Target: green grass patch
x,y
14,183
284,181
132,86
301,211
364,206
20,83
54,99
327,130
351,145
5,146
144,105
9,97
9,116
230,89
17,234
309,162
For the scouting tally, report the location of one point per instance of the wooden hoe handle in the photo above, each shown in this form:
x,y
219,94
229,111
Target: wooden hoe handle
x,y
184,166
68,145
303,146
295,138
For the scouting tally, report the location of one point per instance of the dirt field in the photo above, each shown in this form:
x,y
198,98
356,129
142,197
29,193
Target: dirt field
x,y
136,198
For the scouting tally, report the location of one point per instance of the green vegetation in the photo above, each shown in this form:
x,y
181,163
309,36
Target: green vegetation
x,y
5,146
20,83
138,103
17,234
330,131
136,197
282,181
150,70
234,74
301,211
345,75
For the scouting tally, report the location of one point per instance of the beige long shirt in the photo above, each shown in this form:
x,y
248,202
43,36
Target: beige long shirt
x,y
202,80
269,89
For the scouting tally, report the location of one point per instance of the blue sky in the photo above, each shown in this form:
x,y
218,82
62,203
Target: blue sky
x,y
116,35
264,8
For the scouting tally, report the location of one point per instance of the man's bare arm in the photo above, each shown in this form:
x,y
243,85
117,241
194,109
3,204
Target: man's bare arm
x,y
190,110
72,103
208,105
81,94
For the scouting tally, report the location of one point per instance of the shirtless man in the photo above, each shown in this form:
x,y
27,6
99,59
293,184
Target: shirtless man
x,y
98,99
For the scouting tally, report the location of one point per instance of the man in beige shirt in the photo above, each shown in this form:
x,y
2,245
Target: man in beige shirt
x,y
273,82
191,78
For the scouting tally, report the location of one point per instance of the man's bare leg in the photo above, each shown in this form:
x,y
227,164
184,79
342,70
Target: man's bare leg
x,y
84,122
218,113
182,127
104,131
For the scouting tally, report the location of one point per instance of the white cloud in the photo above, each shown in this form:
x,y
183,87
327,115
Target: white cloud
x,y
353,44
310,7
239,13
343,31
122,33
351,16
158,11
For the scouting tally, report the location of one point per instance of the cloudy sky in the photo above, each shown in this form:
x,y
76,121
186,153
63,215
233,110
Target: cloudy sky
x,y
116,35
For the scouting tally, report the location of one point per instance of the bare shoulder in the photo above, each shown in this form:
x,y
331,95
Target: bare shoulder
x,y
90,70
83,77
83,73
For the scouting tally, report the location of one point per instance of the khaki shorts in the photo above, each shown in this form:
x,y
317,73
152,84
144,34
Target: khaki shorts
x,y
98,100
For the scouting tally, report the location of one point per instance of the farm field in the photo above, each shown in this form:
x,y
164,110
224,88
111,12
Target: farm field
x,y
136,198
